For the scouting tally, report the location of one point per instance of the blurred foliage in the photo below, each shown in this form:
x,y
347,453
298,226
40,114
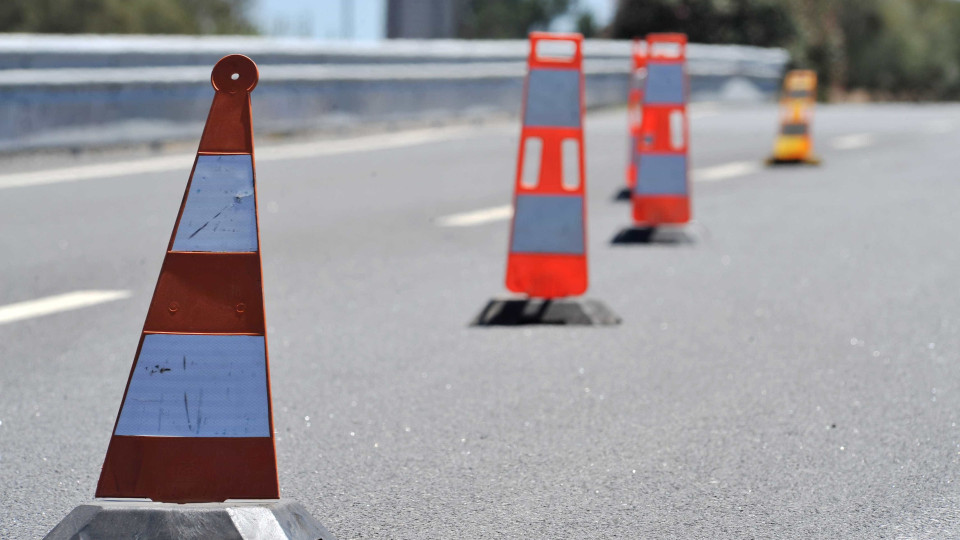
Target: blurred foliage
x,y
495,19
587,25
898,49
125,16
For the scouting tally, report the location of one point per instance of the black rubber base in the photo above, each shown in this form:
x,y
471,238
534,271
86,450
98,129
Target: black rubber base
x,y
234,520
622,195
771,162
523,311
653,235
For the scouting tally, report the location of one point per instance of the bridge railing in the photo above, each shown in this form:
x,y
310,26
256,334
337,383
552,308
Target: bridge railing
x,y
83,91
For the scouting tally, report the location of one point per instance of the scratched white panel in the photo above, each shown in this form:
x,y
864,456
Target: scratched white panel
x,y
198,386
220,214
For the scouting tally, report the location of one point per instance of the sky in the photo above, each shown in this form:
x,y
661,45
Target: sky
x,y
362,20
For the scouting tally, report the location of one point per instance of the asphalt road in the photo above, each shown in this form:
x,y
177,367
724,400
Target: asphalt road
x,y
791,374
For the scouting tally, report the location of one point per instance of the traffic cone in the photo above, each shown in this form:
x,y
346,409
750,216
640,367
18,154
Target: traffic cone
x,y
195,424
547,257
794,143
638,75
661,190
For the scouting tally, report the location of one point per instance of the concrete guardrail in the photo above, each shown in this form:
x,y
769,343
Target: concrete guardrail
x,y
84,91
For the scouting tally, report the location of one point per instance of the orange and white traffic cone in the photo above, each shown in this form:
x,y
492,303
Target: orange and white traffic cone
x,y
794,142
638,76
547,255
661,188
195,424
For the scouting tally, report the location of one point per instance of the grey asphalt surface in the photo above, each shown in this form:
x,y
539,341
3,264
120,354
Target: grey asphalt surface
x,y
791,374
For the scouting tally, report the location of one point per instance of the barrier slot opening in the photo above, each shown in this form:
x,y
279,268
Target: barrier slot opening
x,y
676,129
666,49
555,49
571,164
532,151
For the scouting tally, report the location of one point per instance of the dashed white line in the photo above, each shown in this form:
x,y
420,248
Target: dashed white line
x,y
853,142
938,127
55,304
477,217
726,171
269,153
501,213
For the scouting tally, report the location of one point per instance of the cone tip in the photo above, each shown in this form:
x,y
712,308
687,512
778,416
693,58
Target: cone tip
x,y
235,73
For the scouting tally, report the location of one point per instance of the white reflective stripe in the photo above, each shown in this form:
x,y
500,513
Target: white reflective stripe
x,y
55,304
219,214
197,386
548,224
532,157
570,151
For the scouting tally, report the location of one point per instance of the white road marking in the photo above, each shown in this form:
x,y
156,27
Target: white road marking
x,y
360,144
267,153
726,171
90,172
477,217
55,304
853,142
938,127
501,213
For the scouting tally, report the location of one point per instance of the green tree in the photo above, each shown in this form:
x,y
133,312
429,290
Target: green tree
x,y
507,18
125,16
753,22
587,25
904,49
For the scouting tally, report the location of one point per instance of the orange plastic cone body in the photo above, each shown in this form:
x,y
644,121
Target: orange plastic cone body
x,y
661,194
794,142
638,76
548,253
196,423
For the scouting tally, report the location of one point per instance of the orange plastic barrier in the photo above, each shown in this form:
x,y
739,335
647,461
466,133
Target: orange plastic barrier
x,y
196,423
794,142
638,76
548,251
661,194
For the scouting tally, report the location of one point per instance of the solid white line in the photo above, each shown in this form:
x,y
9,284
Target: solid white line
x,y
360,144
726,171
90,172
853,142
477,217
268,153
55,304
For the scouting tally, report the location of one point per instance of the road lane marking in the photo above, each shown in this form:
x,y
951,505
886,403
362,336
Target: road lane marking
x,y
726,171
55,304
477,217
360,144
853,142
90,172
504,212
938,127
267,153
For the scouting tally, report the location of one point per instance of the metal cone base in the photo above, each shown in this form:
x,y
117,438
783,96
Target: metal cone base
x,y
235,520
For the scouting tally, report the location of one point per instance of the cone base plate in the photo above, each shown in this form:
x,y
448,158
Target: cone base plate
x,y
560,311
235,520
653,235
773,162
